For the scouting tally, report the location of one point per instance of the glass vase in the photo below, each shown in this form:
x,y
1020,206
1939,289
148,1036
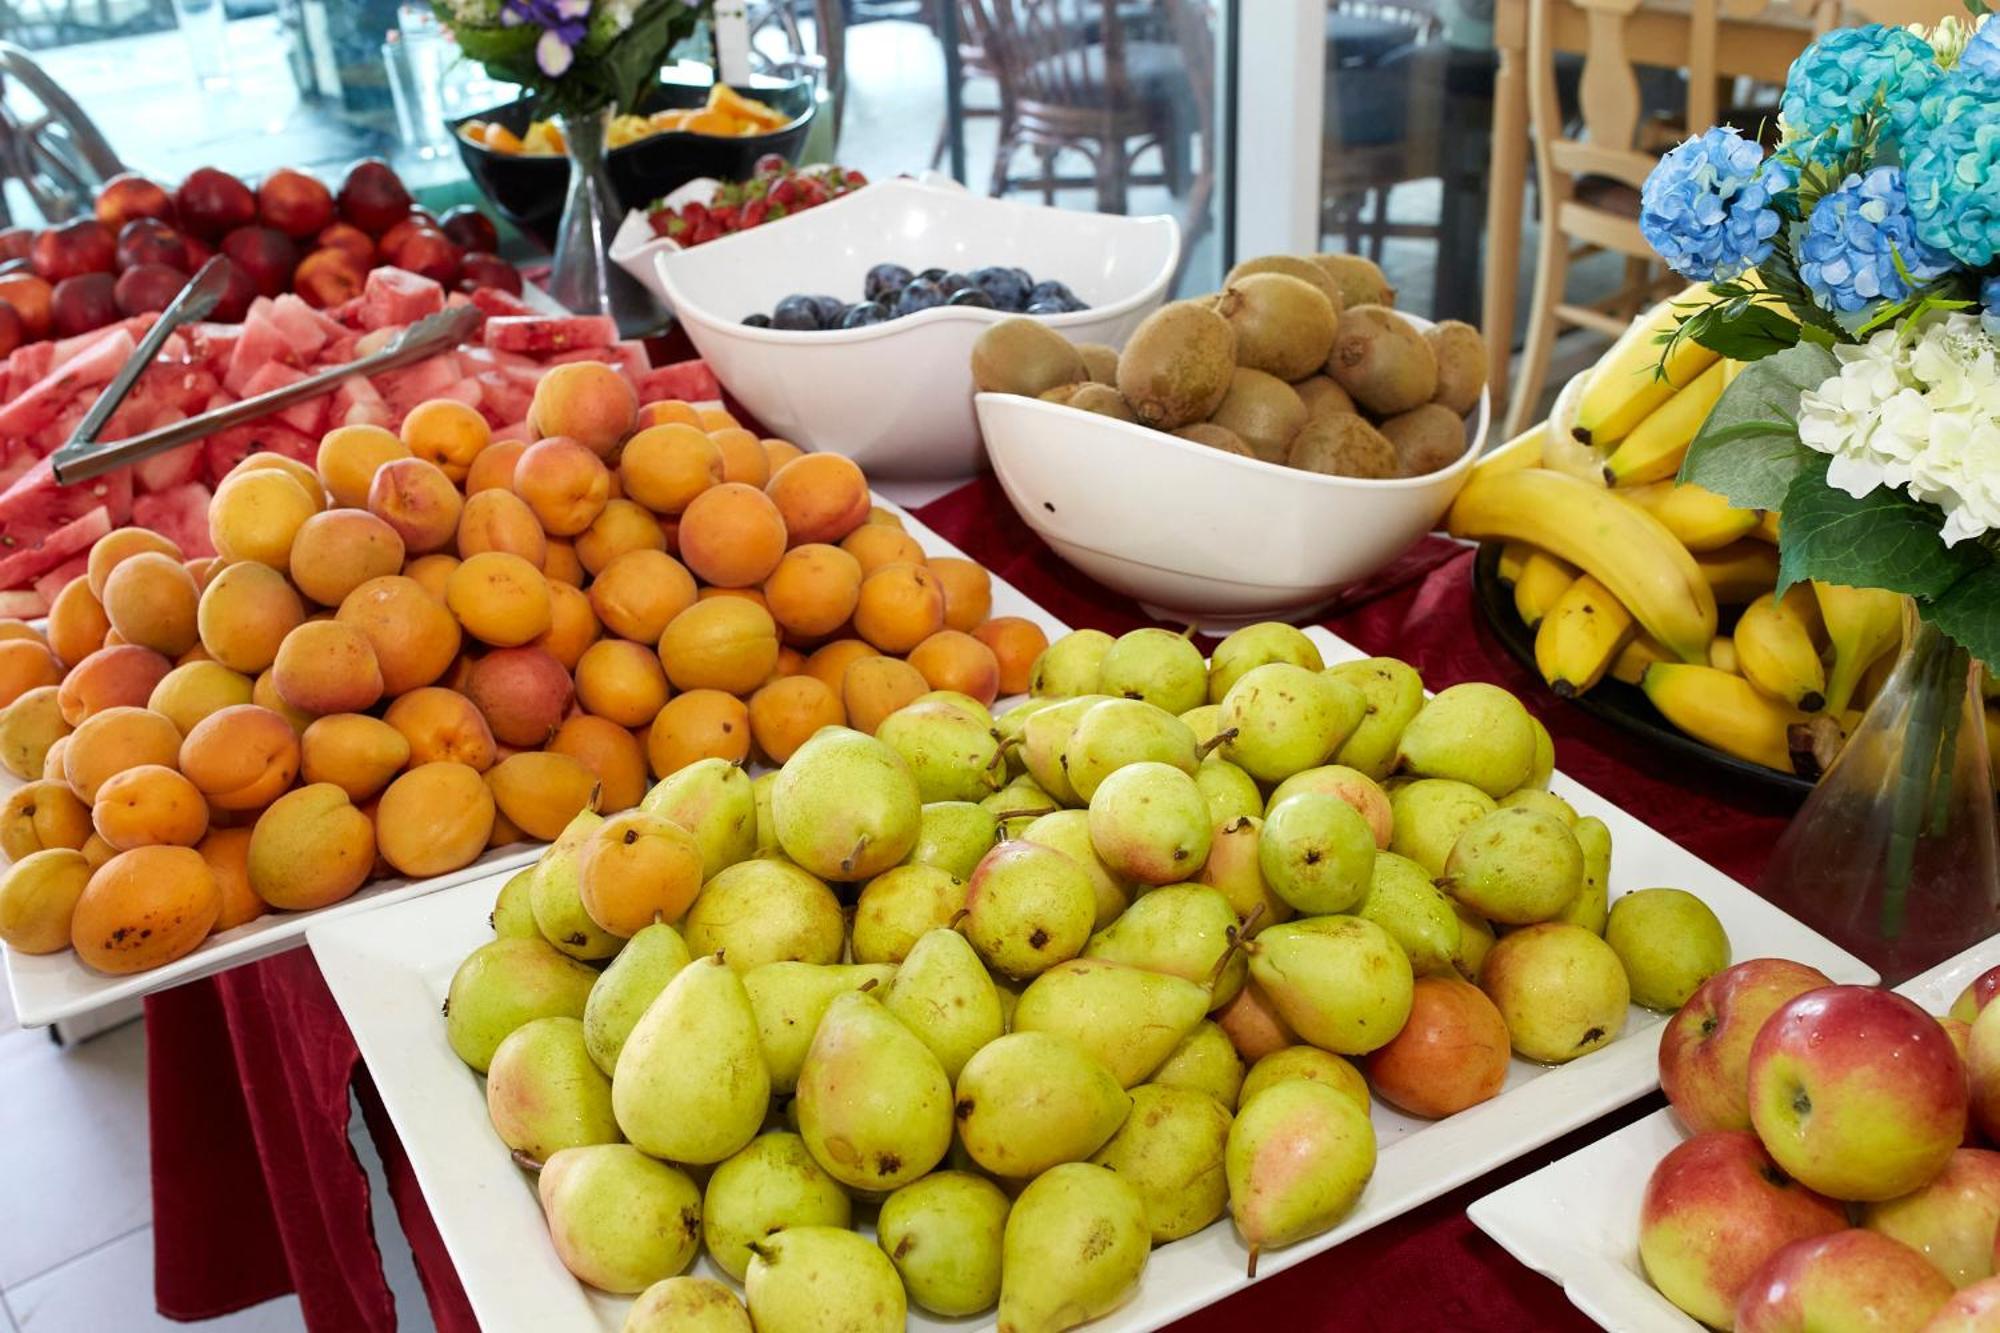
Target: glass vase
x,y
583,278
1893,856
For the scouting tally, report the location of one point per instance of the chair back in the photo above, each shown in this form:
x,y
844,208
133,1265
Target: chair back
x,y
1895,13
1059,53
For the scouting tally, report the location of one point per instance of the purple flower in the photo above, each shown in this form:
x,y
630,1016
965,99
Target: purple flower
x,y
563,23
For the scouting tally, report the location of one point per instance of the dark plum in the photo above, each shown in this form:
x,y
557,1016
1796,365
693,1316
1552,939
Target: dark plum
x,y
831,308
921,294
954,282
799,314
931,274
862,315
760,320
1049,291
1047,308
884,279
1003,285
971,296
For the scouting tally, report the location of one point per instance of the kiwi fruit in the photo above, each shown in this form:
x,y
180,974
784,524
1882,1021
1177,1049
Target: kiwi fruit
x,y
1382,361
1101,399
1176,366
1359,281
1216,437
1343,447
1322,397
1284,325
1263,411
1100,361
1461,360
1061,394
1024,356
1292,266
1426,438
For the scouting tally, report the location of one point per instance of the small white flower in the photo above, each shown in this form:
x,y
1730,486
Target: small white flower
x,y
616,15
477,13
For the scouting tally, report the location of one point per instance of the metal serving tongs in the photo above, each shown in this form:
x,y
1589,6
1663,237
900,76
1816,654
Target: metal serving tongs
x,y
83,458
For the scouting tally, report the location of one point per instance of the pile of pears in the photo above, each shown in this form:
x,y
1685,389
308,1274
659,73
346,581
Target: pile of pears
x,y
1025,997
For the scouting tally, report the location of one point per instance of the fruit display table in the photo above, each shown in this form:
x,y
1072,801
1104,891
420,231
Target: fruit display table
x,y
256,1190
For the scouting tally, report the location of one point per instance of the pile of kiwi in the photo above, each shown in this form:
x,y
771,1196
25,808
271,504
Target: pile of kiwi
x,y
1298,360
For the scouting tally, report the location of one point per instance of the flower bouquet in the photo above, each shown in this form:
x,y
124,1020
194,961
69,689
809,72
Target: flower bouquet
x,y
1856,267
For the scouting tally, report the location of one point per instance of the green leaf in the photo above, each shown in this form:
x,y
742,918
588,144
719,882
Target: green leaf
x,y
498,45
1883,540
1749,334
1748,450
1968,612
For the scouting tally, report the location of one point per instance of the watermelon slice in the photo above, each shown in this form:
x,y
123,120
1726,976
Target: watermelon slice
x,y
541,335
36,505
28,363
689,381
496,302
175,467
53,582
430,378
44,401
307,417
212,343
393,297
515,430
300,325
22,604
24,564
180,515
262,344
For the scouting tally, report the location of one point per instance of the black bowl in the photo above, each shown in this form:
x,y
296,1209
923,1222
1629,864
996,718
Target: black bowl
x,y
529,190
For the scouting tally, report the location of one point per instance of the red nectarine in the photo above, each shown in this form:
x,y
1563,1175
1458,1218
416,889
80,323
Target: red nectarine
x,y
147,287
373,197
430,253
470,228
85,302
328,277
212,202
151,241
346,236
129,195
294,203
264,253
479,269
84,245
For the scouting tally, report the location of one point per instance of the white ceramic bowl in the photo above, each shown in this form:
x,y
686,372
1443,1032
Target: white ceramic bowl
x,y
1199,536
897,397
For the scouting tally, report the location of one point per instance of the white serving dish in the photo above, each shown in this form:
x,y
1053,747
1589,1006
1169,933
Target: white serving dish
x,y
390,974
1576,1221
1199,536
897,397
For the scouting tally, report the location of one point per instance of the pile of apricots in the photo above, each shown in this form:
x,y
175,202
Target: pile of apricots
x,y
433,643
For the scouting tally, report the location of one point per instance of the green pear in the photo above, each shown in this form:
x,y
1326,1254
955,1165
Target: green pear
x,y
767,831
1340,982
1474,733
943,1233
620,1220
1428,815
1298,1157
1118,732
897,906
1028,908
1012,723
1350,785
1017,805
1184,930
953,835
1475,941
789,1000
1075,1246
823,1280
943,994
1417,914
1156,665
765,911
714,800
846,806
557,902
1515,867
687,1305
1669,941
691,1085
1591,906
1010,1000
505,983
953,754
1149,823
514,910
1204,722
1561,990
1171,1148
1258,645
1394,692
1205,1061
1543,766
1316,852
958,700
1534,798
1282,719
1129,1019
1069,666
543,1094
874,1103
1230,792
772,1184
1045,739
1308,1062
635,978
1030,1100
1068,831
1233,871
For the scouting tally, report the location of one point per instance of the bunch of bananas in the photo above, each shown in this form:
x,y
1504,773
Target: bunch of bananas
x,y
1623,572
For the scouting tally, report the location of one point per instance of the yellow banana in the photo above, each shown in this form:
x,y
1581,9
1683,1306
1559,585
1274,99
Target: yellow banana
x,y
1513,556
1654,449
1776,648
1767,526
1723,657
1700,519
1622,546
1739,572
1580,637
1543,581
1524,450
1724,711
1626,386
1633,659
1800,600
1862,624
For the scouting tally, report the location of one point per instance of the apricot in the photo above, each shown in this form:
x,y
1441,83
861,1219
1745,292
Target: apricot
x,y
446,432
504,831
813,590
493,470
723,644
76,622
254,516
953,660
874,545
823,497
145,908
1016,643
52,761
442,726
562,564
417,499
640,593
900,606
780,452
968,592
667,412
496,520
38,897
241,758
96,851
30,728
266,461
227,852
327,666
150,599
114,740
716,418
245,613
337,551
122,675
122,544
354,752
785,713
565,483
264,693
12,627
622,681
610,752
146,805
743,456
732,536
434,819
829,662
204,568
310,848
886,517
39,815
190,692
541,791
572,627
701,724
499,598
754,596
414,636
625,525
432,572
27,664
349,457
587,401
664,467
522,692
875,687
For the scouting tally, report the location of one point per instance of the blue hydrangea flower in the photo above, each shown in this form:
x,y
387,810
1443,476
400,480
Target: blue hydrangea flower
x,y
1982,52
1989,297
1854,238
1706,206
1852,72
1953,169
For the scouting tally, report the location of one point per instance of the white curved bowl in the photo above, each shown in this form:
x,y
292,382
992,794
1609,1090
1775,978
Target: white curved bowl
x,y
1199,536
897,397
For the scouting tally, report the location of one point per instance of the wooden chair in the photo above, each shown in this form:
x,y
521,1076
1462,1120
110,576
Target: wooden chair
x,y
975,63
1828,14
1383,112
824,58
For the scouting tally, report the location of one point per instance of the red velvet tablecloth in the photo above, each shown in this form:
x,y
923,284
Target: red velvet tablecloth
x,y
256,1190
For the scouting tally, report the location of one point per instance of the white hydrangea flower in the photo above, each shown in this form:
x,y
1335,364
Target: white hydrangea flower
x,y
614,15
476,13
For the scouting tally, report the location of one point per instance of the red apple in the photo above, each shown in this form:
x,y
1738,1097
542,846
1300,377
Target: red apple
x,y
430,253
199,252
1715,1209
372,196
328,277
85,302
239,289
346,236
266,254
151,241
1705,1051
1975,995
1975,1309
147,287
129,195
13,330
483,270
294,203
472,229
213,203
1852,1281
1857,1092
1982,1062
17,242
1952,1220
75,248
